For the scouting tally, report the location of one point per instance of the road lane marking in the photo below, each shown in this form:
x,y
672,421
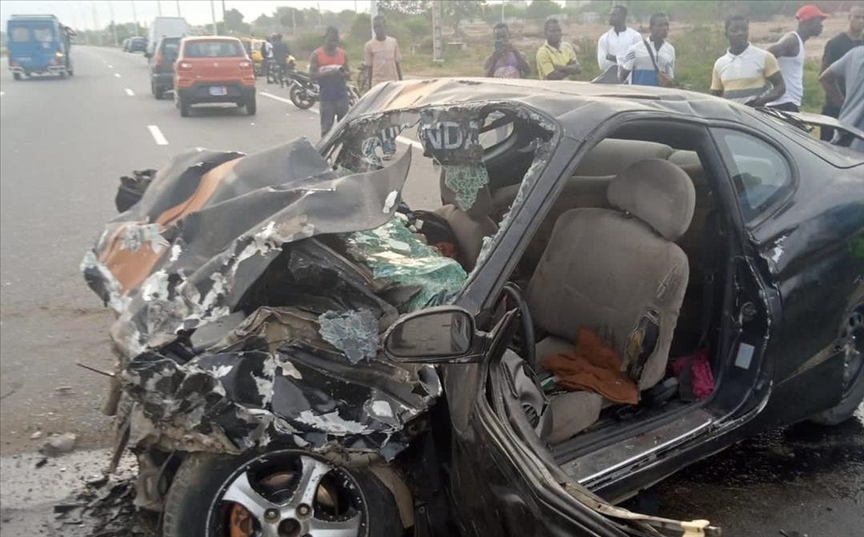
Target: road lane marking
x,y
2,93
110,66
402,139
129,92
157,135
117,75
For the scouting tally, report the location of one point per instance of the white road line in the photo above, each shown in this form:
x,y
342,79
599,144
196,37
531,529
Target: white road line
x,y
129,92
110,66
117,75
2,93
402,139
157,135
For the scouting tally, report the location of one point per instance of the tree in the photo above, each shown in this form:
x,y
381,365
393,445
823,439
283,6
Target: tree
x,y
234,21
541,9
455,11
403,7
288,16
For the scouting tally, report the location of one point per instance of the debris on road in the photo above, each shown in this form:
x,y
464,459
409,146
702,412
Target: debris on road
x,y
36,436
105,511
59,444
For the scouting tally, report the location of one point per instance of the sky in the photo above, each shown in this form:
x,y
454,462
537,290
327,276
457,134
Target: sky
x,y
81,14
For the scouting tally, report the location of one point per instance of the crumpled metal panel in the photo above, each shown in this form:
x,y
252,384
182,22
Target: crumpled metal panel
x,y
397,256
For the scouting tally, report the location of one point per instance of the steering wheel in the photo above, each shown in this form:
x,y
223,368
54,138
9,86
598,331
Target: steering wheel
x,y
515,293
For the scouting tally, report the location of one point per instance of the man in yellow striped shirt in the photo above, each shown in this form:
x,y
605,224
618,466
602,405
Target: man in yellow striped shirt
x,y
746,74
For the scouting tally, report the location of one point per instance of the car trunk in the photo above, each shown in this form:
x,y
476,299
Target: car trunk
x,y
217,61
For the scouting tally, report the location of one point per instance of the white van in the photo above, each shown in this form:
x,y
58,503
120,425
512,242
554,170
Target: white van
x,y
165,27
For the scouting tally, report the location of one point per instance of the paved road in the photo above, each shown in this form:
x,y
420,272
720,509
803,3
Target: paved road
x,y
63,146
65,143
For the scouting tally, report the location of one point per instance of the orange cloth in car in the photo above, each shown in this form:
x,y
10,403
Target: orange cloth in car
x,y
593,366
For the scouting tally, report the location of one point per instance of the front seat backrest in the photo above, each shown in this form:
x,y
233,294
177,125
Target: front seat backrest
x,y
617,271
467,213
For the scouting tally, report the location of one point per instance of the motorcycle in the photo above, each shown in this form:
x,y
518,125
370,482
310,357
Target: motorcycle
x,y
304,91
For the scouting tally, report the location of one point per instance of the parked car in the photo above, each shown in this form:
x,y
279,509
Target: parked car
x,y
213,70
38,45
162,66
135,44
615,283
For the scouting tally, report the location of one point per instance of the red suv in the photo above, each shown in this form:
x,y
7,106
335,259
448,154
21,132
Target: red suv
x,y
213,70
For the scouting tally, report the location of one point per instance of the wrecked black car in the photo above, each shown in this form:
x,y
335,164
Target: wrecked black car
x,y
479,308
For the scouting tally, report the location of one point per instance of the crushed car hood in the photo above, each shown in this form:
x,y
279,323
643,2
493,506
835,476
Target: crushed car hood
x,y
251,292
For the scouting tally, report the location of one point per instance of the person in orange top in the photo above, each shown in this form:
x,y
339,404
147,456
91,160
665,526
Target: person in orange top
x,y
329,67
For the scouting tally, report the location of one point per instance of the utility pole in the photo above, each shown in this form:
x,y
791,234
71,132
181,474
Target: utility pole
x,y
135,18
96,24
437,48
223,11
159,6
373,12
113,24
178,8
213,14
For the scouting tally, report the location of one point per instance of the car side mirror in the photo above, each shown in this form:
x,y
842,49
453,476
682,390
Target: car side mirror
x,y
444,334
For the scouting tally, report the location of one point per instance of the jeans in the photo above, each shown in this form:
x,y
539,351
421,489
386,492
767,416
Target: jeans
x,y
330,111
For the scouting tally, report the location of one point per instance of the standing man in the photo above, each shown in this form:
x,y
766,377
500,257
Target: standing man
x,y
849,68
789,52
651,61
556,60
328,66
746,74
382,55
614,44
267,55
280,57
836,48
505,62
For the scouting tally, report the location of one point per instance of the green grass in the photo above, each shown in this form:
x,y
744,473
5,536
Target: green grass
x,y
697,49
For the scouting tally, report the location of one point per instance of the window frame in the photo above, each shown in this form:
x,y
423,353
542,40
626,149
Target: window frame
x,y
778,199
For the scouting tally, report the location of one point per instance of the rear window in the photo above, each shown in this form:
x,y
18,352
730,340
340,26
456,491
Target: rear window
x,y
214,49
43,34
170,47
19,34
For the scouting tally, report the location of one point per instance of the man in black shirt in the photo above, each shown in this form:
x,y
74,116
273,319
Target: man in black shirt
x,y
280,56
835,49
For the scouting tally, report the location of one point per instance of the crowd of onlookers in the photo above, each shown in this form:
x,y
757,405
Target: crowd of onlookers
x,y
772,77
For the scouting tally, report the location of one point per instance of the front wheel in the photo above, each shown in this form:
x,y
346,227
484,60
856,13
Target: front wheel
x,y
300,98
287,492
852,343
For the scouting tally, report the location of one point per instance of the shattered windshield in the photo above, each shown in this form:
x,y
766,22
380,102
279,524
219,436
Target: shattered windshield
x,y
252,290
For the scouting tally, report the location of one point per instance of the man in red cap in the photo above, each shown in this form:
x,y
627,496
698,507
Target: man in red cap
x,y
789,52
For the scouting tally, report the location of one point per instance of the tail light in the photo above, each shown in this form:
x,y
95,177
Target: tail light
x,y
158,59
184,66
246,65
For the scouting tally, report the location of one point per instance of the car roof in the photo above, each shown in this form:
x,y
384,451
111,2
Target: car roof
x,y
570,103
210,38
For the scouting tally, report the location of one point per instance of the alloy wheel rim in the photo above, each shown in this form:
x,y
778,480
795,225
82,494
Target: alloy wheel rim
x,y
288,494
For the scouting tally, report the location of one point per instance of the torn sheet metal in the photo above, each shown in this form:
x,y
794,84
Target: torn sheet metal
x,y
398,257
301,394
225,218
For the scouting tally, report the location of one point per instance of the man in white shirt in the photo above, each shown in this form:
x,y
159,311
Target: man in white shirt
x,y
651,61
615,43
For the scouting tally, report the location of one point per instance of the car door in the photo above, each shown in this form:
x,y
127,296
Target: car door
x,y
770,318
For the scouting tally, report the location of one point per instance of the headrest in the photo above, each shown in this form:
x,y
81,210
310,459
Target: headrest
x,y
657,192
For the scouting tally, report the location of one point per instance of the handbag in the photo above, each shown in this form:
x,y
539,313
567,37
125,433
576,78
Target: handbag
x,y
663,80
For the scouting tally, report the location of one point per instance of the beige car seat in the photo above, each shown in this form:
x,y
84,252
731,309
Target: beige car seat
x,y
613,270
